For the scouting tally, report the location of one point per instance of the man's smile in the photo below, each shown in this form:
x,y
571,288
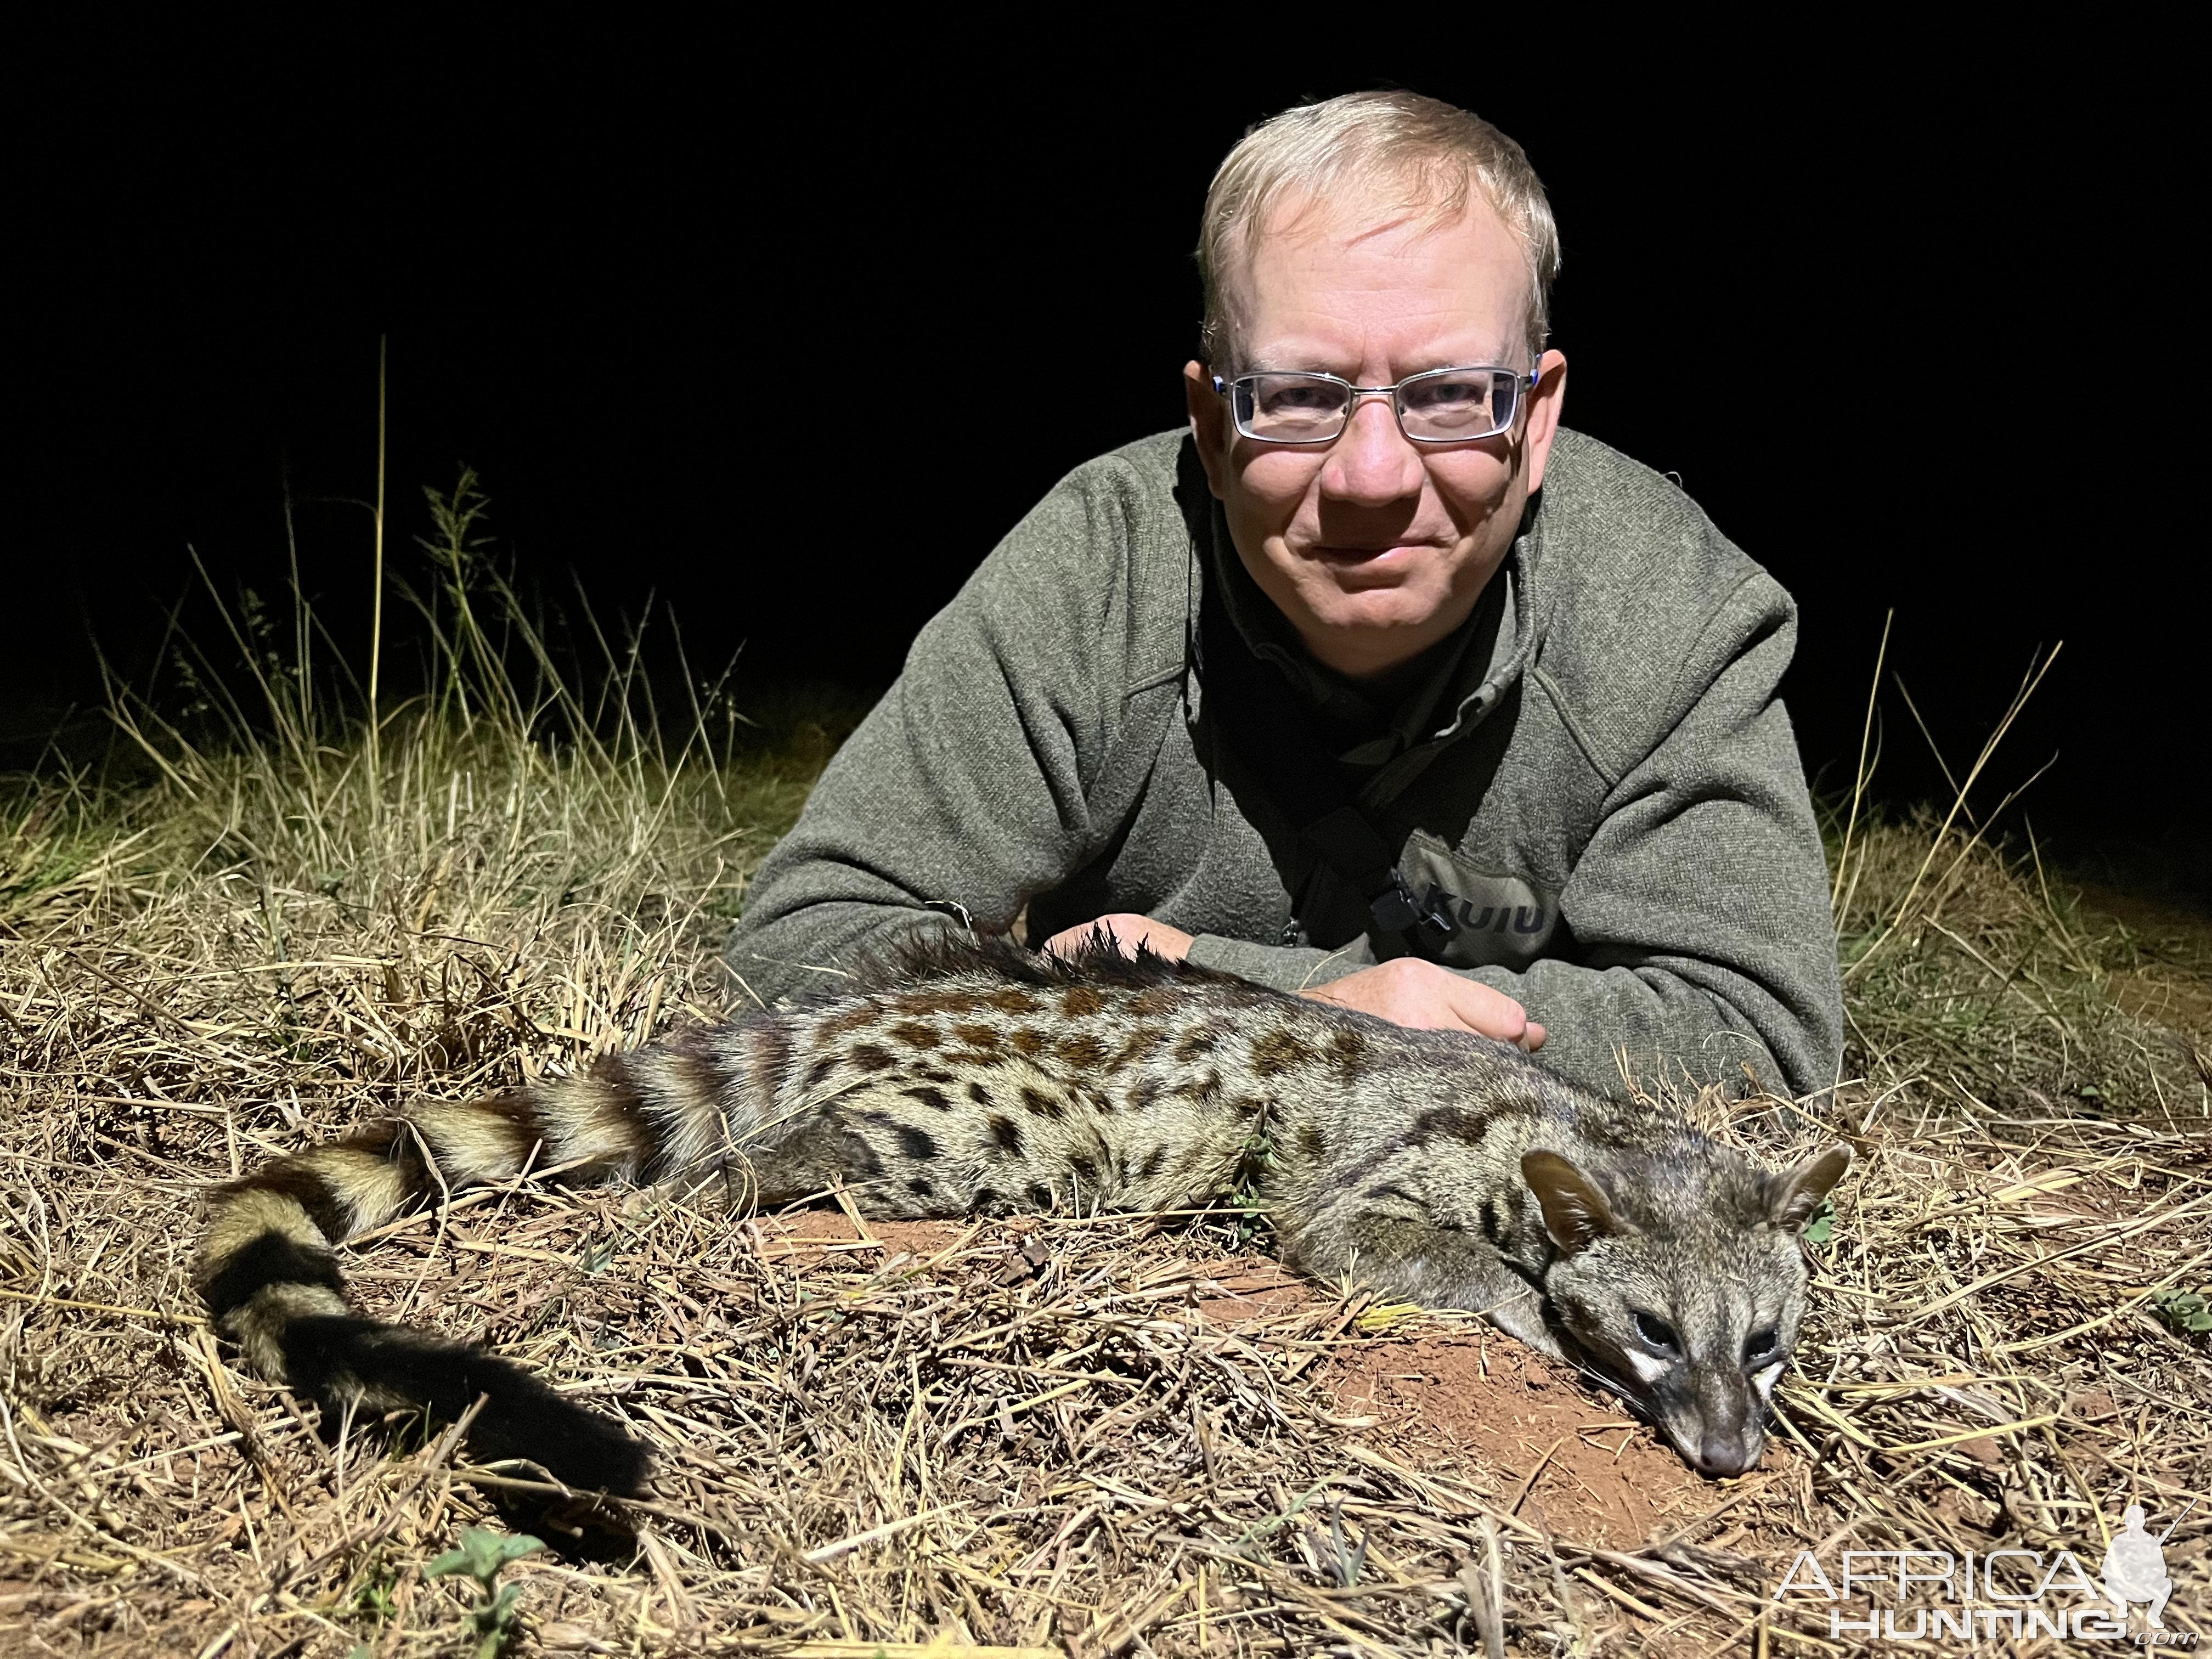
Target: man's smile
x,y
1392,560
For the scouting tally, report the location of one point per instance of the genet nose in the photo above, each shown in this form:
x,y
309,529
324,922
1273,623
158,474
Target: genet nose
x,y
1720,1455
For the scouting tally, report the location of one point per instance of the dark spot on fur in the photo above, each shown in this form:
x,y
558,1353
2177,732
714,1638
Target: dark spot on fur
x,y
919,1187
821,1069
938,1002
1446,1122
1040,1195
914,1033
1153,1159
984,1199
771,1057
1029,1041
1202,1089
848,1019
1080,1001
1159,1000
1083,1167
935,1074
860,1157
1143,1093
931,1097
1249,1107
1084,1052
1013,1001
871,1058
1491,1229
1042,1104
979,1095
1347,1048
1386,1189
917,1144
1198,1043
984,1040
1276,1052
1141,1042
1309,1140
1008,1133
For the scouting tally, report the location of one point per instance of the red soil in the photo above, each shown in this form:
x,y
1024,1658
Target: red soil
x,y
1529,1433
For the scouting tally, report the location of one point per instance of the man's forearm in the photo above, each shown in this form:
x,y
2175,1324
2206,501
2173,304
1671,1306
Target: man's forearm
x,y
813,948
1591,1016
1284,967
972,786
1659,1024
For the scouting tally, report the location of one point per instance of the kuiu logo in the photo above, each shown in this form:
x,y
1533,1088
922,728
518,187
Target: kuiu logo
x,y
1931,1594
1494,917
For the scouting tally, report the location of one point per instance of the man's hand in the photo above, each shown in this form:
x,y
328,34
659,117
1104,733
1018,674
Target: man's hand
x,y
1128,932
1405,992
1410,992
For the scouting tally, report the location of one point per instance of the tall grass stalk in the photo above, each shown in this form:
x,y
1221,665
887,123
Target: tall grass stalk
x,y
1904,911
376,602
1870,755
518,795
1968,981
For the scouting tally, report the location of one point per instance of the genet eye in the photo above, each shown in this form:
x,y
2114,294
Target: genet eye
x,y
1762,1344
1656,1331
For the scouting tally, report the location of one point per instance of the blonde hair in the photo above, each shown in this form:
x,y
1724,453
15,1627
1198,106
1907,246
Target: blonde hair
x,y
1396,148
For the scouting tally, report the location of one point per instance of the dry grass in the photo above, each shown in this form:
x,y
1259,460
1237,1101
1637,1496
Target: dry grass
x,y
948,1433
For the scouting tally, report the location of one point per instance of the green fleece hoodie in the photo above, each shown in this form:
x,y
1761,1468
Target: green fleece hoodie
x,y
1597,781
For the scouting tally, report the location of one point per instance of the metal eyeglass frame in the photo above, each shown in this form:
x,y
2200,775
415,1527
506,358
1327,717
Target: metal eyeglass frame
x,y
1527,383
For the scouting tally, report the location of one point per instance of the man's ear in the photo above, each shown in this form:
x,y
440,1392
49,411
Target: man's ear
x,y
1209,424
1545,402
1792,1196
1576,1212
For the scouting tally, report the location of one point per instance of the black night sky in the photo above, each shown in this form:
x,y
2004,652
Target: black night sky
x,y
1903,333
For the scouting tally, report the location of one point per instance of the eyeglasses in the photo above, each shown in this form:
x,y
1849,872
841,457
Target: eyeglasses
x,y
1442,406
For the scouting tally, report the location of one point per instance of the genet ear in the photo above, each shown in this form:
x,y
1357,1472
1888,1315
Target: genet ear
x,y
1791,1198
1576,1212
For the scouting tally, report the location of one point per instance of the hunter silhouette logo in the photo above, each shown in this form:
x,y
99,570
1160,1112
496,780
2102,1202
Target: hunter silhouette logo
x,y
1918,1595
2134,1565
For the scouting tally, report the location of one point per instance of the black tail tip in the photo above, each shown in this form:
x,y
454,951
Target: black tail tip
x,y
521,1417
577,1446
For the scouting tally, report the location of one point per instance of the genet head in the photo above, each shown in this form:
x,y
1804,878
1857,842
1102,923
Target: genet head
x,y
1684,1289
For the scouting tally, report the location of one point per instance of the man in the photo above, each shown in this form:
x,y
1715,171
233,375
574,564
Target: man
x,y
1376,685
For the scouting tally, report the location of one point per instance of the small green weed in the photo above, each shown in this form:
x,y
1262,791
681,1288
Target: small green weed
x,y
1822,1227
482,1554
2190,1312
375,1600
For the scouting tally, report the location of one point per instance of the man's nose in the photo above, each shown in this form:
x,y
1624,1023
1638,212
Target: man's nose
x,y
1374,463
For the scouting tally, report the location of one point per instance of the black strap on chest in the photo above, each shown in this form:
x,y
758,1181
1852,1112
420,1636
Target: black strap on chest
x,y
1345,841
1286,746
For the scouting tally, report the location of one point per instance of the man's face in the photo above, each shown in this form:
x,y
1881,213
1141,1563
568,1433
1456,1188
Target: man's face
x,y
1374,546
